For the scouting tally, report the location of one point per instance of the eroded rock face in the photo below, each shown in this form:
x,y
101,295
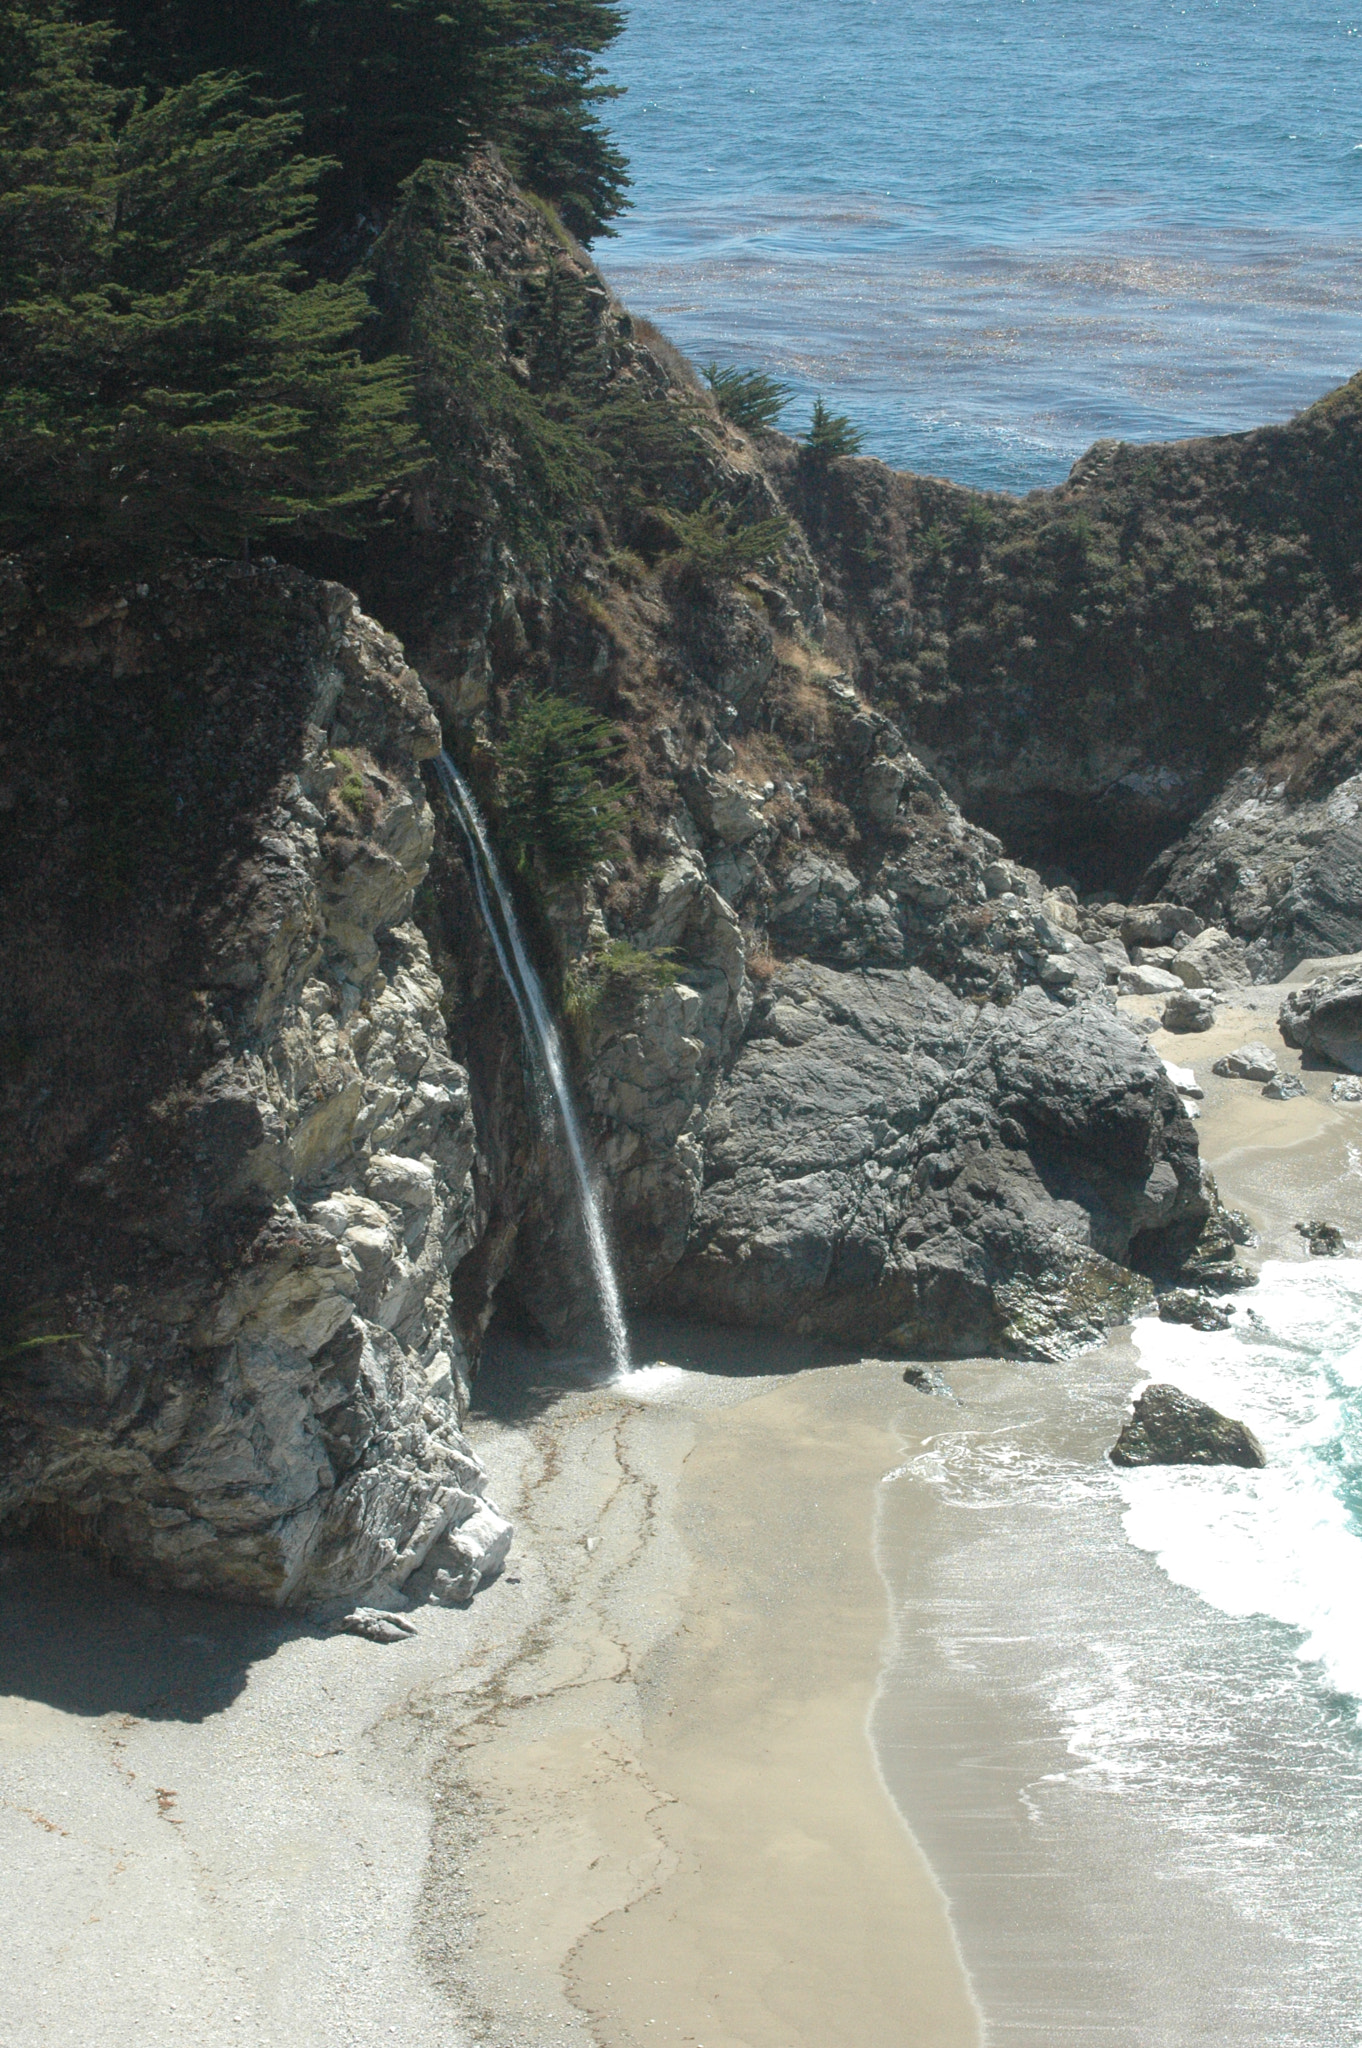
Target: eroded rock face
x,y
238,1368
1285,876
887,1163
1169,1427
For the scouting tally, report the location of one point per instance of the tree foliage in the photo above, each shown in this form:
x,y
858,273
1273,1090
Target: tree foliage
x,y
167,376
384,85
716,544
831,434
749,398
554,801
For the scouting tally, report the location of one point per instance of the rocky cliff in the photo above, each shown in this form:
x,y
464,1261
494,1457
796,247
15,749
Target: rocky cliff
x,y
238,1157
842,995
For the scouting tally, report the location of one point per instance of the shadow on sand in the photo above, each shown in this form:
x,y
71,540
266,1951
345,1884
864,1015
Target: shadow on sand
x,y
78,1637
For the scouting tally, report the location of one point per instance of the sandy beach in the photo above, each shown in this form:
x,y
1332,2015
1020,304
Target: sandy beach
x,y
629,1797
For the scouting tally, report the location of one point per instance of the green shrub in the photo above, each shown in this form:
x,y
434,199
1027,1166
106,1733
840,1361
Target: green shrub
x,y
615,983
716,545
554,804
747,397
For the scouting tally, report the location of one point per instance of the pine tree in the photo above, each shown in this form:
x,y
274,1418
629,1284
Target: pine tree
x,y
167,379
831,434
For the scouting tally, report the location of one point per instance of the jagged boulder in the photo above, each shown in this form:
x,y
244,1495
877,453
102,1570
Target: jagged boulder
x,y
1169,1427
1326,1240
1282,873
1325,1018
1188,1010
885,1163
1197,1311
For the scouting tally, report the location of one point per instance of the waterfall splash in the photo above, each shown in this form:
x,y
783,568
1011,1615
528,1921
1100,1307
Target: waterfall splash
x,y
541,1035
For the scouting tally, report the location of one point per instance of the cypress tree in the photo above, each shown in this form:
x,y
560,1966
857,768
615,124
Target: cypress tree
x,y
167,377
385,85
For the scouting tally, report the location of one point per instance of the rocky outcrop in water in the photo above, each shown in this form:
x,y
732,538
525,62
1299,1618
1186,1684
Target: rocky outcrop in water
x,y
238,1155
1169,1427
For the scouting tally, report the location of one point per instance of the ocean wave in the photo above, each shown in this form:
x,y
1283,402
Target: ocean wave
x,y
1285,1542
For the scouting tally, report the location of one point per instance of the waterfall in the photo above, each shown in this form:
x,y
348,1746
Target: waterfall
x,y
541,1036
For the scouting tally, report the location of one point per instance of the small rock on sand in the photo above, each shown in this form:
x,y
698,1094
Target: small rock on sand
x,y
1284,1088
377,1626
1255,1062
1348,1089
1188,1010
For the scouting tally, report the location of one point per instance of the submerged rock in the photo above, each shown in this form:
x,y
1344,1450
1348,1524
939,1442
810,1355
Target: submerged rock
x,y
1169,1427
1182,1305
1325,1240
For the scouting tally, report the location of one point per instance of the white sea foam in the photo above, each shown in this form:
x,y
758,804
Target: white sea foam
x,y
651,1382
1285,1542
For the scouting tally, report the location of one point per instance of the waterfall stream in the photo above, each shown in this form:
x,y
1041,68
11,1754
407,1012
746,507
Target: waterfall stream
x,y
541,1037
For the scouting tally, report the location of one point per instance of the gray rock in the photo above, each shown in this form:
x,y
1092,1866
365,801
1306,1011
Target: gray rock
x,y
1252,1062
1212,960
1283,875
885,1163
1284,1088
1326,1240
1188,1010
1157,924
1183,1305
1325,1019
262,1395
881,787
1169,1427
377,1626
1347,1090
1147,981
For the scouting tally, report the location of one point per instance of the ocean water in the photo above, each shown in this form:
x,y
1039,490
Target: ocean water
x,y
993,231
1285,1542
1123,1713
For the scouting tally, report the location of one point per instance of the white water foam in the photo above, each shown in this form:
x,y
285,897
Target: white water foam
x,y
1285,1542
652,1382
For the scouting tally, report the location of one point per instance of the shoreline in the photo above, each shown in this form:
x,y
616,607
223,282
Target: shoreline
x,y
647,1789
692,1830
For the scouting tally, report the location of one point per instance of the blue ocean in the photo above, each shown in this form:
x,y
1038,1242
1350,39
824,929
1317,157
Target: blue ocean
x,y
993,231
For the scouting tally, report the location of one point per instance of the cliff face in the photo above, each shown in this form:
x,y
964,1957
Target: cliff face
x,y
237,1153
272,1158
